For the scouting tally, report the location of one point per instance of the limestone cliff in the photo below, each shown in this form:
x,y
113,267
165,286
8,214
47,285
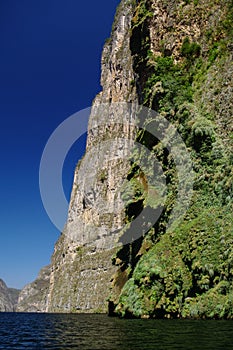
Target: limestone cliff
x,y
176,58
82,261
8,297
33,297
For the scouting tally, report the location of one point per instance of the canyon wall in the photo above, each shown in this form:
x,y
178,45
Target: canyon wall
x,y
176,58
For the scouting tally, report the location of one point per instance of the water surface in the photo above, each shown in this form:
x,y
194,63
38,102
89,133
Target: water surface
x,y
59,331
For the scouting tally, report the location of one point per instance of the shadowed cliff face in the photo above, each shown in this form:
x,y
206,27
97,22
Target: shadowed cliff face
x,y
176,58
8,297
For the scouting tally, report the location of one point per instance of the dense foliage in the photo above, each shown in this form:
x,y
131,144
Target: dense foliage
x,y
187,272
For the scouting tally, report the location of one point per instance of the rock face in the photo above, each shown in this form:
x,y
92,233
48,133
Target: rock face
x,y
182,55
8,298
176,58
85,249
33,297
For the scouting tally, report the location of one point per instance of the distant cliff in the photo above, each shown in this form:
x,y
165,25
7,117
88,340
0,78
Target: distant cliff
x,y
33,297
8,297
176,58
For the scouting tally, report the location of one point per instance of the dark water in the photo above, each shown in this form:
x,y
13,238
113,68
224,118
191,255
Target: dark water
x,y
51,331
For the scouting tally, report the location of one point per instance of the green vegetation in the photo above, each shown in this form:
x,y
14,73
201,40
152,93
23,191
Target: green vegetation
x,y
190,50
167,87
141,14
187,272
102,176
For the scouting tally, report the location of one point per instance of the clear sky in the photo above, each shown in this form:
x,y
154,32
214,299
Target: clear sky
x,y
49,69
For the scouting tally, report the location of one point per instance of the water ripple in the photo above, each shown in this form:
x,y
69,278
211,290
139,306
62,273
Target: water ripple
x,y
98,332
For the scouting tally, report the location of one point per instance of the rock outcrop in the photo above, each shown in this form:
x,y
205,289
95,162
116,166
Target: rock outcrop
x,y
8,297
33,297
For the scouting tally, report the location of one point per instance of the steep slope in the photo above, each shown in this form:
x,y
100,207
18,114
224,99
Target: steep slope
x,y
8,297
33,297
82,260
182,53
14,295
176,58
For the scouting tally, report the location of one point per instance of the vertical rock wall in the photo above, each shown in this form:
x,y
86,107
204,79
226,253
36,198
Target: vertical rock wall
x,y
82,259
176,57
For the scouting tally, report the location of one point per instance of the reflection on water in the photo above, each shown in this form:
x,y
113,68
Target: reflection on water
x,y
59,331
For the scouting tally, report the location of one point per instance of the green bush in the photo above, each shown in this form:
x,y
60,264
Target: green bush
x,y
168,86
187,273
190,50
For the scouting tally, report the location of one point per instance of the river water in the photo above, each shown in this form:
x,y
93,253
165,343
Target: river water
x,y
70,331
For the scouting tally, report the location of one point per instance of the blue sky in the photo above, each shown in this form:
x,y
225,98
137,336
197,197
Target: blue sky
x,y
49,69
